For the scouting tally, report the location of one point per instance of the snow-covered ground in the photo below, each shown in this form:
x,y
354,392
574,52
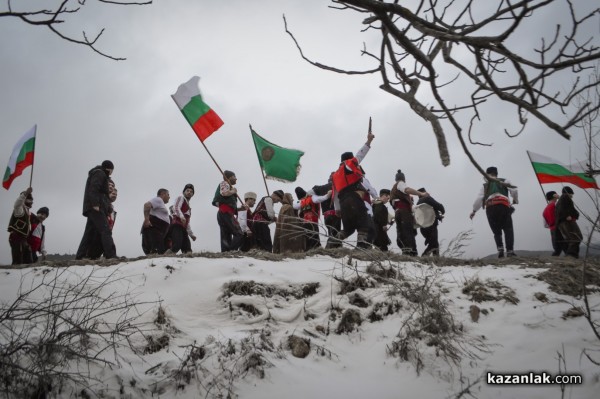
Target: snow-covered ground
x,y
229,337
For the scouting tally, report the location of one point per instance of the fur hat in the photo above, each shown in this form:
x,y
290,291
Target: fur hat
x,y
279,193
189,185
228,174
250,195
550,195
346,156
108,165
300,193
44,210
492,170
400,176
567,190
384,191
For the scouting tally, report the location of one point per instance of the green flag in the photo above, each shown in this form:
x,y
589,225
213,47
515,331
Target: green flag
x,y
279,163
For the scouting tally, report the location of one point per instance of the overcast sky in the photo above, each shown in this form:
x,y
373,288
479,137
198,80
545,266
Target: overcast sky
x,y
89,108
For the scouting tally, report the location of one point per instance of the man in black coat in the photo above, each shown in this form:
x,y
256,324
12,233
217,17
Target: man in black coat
x,y
431,233
96,207
566,222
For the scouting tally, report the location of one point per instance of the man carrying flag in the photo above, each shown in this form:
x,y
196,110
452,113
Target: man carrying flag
x,y
19,228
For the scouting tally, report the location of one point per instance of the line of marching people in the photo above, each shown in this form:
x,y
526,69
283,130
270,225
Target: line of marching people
x,y
348,204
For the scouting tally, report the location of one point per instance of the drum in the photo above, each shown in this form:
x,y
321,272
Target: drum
x,y
424,215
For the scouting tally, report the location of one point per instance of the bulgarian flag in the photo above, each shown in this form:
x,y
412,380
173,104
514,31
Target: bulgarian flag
x,y
278,163
21,157
203,120
549,170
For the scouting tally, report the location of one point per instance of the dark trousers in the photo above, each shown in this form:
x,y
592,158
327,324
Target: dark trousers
x,y
381,240
231,233
354,218
153,237
500,220
180,240
333,223
248,242
96,234
405,232
572,237
431,240
262,235
558,244
311,231
19,249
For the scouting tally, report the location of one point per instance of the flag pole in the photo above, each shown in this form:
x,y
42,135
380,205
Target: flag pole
x,y
261,169
33,160
540,183
220,170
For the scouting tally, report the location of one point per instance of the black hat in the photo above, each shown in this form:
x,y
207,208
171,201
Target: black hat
x,y
384,191
550,195
300,193
492,170
228,174
279,193
44,210
189,185
346,156
422,190
567,190
400,176
108,165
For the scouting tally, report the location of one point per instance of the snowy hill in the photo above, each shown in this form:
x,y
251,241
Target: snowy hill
x,y
320,327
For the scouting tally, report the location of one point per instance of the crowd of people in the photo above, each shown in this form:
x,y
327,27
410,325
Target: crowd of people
x,y
348,203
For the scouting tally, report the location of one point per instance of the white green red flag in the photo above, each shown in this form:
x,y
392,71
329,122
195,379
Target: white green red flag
x,y
203,120
21,157
549,170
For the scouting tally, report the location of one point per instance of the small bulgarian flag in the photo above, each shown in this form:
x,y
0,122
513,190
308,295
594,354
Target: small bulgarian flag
x,y
549,170
203,120
21,157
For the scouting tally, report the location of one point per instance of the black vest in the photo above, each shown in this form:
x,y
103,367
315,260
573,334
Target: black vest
x,y
20,225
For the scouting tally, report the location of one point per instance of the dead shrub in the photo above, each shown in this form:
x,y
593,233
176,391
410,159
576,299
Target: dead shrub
x,y
382,309
156,344
566,280
355,283
249,288
358,300
249,308
350,319
488,290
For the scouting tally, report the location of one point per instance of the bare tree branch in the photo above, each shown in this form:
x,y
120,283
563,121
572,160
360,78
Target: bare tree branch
x,y
52,18
477,48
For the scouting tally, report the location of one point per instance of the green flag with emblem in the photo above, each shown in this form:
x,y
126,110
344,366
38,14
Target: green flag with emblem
x,y
278,163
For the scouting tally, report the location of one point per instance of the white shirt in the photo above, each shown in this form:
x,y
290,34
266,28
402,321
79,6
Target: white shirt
x,y
159,209
243,220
